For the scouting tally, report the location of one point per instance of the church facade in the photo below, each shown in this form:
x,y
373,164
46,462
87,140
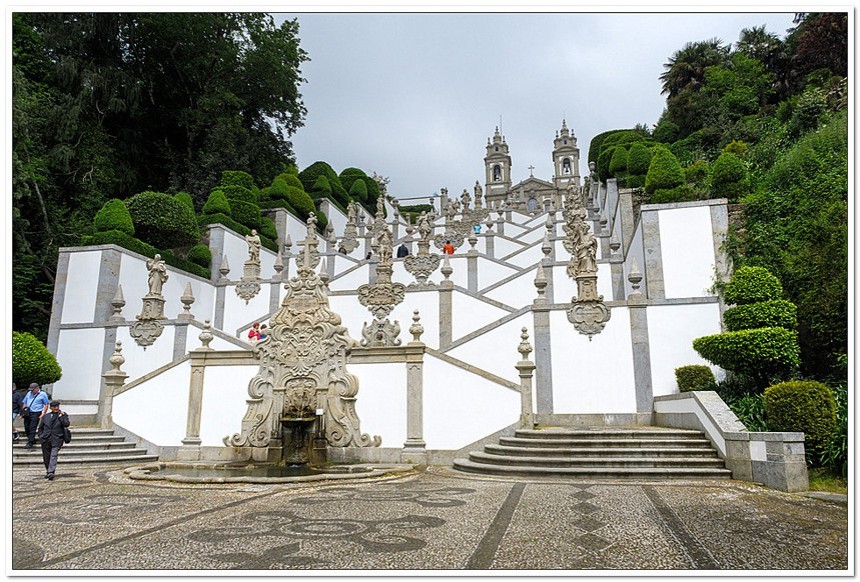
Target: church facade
x,y
532,194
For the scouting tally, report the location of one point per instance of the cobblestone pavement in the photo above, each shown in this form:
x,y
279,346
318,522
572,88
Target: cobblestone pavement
x,y
436,519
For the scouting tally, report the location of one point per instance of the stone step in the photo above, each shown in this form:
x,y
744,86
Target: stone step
x,y
608,433
88,460
574,442
604,461
602,451
90,445
86,446
595,472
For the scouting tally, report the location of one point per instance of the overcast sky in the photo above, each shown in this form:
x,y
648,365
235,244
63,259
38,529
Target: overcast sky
x,y
414,97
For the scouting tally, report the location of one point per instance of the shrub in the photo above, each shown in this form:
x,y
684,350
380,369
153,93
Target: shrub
x,y
763,354
736,147
309,176
349,176
689,149
603,161
268,228
802,406
695,377
664,172
301,201
807,113
277,203
749,408
751,285
200,255
247,213
289,180
618,163
277,191
681,193
217,203
775,313
207,219
728,178
321,188
160,219
185,198
638,159
127,242
696,173
237,178
114,216
238,193
835,454
358,191
32,362
666,131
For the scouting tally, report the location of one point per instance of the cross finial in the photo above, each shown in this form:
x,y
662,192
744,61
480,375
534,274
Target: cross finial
x,y
531,173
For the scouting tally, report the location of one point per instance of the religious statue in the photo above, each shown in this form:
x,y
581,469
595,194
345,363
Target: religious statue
x,y
253,241
350,209
157,274
384,246
424,228
586,252
466,199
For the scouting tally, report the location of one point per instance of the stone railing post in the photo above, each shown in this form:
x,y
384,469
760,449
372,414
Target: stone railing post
x,y
114,380
490,239
526,369
190,449
414,449
446,300
543,351
472,264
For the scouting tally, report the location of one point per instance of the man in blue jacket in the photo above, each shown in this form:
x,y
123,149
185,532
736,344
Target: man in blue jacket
x,y
35,403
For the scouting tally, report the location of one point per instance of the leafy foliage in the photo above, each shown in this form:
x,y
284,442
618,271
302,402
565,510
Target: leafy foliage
x,y
835,453
247,213
802,406
32,362
728,177
268,228
241,229
114,215
237,178
763,353
618,163
695,377
751,285
776,313
216,203
664,172
127,242
161,219
749,408
335,192
200,255
638,159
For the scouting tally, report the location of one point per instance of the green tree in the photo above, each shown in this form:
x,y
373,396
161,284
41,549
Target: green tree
x,y
114,215
685,70
728,178
32,362
664,172
638,159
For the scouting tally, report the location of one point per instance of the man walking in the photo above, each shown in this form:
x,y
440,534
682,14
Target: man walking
x,y
51,431
35,403
16,410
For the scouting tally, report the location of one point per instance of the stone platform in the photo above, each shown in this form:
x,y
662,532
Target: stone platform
x,y
433,519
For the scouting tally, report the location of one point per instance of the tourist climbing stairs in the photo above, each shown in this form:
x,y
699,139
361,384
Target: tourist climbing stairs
x,y
90,445
606,452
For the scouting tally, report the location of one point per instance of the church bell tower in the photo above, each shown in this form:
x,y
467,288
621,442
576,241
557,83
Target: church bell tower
x,y
565,158
497,164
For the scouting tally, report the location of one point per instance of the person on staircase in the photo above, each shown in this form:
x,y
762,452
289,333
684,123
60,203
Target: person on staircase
x,y
51,432
16,410
35,403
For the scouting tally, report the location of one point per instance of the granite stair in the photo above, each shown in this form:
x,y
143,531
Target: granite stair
x,y
90,445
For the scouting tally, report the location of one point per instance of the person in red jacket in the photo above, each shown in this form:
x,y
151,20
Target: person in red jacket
x,y
254,333
448,248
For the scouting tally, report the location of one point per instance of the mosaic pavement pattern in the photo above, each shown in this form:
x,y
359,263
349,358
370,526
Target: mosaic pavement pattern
x,y
431,520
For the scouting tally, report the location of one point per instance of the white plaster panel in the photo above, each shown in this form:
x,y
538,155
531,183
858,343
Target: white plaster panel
x,y
505,247
381,401
427,304
133,277
517,292
82,283
225,391
399,274
604,281
140,361
496,350
671,331
341,262
237,314
456,406
687,246
533,236
156,410
470,314
527,258
297,229
490,272
691,406
460,274
513,229
350,281
561,254
592,376
79,354
336,218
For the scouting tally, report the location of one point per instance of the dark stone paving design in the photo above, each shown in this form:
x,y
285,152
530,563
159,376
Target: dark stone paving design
x,y
432,520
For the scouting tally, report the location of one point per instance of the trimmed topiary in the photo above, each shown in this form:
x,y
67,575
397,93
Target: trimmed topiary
x,y
217,203
160,219
200,255
277,191
358,191
618,163
728,178
247,213
695,377
603,161
185,198
32,362
802,406
664,172
321,188
268,228
237,178
638,159
301,201
666,131
776,313
291,180
682,193
238,193
241,229
127,242
114,215
762,353
309,176
751,285
697,173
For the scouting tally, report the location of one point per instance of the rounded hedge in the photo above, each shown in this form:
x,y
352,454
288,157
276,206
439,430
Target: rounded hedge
x,y
751,285
291,180
185,198
762,353
247,213
618,163
321,185
358,191
277,191
237,178
603,161
802,406
309,176
638,159
239,193
664,172
268,228
728,177
666,131
217,203
301,201
775,313
695,377
32,362
114,215
161,220
681,193
200,255
697,172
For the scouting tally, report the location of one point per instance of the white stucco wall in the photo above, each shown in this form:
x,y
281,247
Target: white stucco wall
x,y
535,235
490,272
592,376
456,406
79,353
671,331
470,314
496,350
350,281
504,247
516,290
236,250
687,247
157,410
140,361
81,285
225,390
238,315
381,401
526,258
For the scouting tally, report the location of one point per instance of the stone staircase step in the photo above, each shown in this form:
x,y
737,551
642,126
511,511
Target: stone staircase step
x,y
608,432
604,461
90,445
705,452
93,460
573,442
595,472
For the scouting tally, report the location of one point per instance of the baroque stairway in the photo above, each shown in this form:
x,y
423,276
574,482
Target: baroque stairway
x,y
90,445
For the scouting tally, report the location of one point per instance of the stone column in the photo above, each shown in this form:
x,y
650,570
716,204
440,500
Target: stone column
x,y
414,449
638,306
490,241
190,449
616,270
472,264
526,369
221,293
543,348
114,379
446,300
655,283
107,283
548,260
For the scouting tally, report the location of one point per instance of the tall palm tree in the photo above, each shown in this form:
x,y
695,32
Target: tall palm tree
x,y
686,68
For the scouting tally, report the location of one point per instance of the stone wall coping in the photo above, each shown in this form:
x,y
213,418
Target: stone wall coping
x,y
692,204
712,405
785,437
113,247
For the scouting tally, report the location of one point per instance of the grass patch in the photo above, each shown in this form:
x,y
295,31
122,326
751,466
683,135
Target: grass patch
x,y
824,479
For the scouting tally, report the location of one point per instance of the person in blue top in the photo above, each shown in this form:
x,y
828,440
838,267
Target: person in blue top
x,y
34,404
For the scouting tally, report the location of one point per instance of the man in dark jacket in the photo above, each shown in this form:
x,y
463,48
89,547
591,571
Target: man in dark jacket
x,y
402,251
51,431
16,410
